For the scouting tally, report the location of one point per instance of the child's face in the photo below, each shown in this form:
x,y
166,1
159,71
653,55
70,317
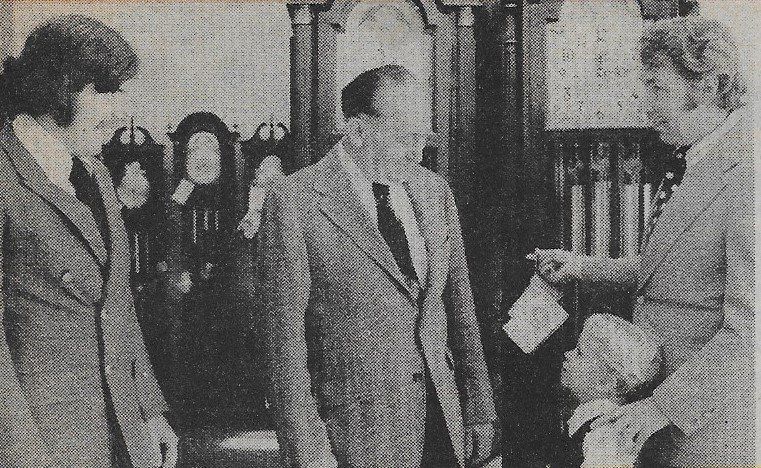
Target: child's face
x,y
586,375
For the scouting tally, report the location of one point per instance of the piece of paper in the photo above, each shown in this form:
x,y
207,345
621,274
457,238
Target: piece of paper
x,y
535,315
184,189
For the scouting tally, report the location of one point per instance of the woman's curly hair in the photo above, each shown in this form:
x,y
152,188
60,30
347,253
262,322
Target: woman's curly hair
x,y
697,47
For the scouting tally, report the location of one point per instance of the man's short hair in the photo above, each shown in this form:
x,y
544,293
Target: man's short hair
x,y
59,59
358,97
697,47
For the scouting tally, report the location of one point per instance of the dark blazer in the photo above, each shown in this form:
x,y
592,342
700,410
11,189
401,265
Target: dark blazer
x,y
62,294
348,343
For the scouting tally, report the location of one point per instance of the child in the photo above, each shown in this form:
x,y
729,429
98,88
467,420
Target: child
x,y
613,362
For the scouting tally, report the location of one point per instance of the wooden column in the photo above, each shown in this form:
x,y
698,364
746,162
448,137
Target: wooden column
x,y
302,89
325,94
444,94
538,181
6,29
660,9
461,161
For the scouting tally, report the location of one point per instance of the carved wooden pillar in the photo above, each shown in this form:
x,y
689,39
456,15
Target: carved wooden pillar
x,y
302,91
461,160
325,100
539,184
6,29
444,96
660,9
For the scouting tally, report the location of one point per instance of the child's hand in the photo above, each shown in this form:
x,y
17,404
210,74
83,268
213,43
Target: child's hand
x,y
635,423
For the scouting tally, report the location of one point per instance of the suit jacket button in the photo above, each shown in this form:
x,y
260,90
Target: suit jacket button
x,y
109,370
417,377
66,277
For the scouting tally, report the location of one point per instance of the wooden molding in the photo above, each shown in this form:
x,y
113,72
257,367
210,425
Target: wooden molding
x,y
659,9
307,2
456,3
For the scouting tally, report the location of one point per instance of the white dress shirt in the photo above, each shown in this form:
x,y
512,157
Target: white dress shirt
x,y
400,204
51,155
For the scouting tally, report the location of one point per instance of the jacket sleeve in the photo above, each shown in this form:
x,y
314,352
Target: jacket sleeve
x,y
151,398
464,334
284,289
698,390
21,445
621,271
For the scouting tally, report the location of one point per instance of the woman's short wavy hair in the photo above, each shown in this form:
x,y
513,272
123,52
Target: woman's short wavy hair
x,y
697,47
59,59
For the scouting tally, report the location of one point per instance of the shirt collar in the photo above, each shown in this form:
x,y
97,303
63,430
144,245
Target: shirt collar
x,y
588,411
49,152
699,149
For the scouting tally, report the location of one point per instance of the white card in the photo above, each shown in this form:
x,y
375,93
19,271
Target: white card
x,y
184,189
535,315
531,330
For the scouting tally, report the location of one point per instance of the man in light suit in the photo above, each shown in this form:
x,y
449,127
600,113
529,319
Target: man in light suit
x,y
695,279
76,387
374,352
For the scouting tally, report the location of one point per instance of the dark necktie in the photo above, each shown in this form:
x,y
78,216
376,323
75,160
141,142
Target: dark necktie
x,y
86,191
674,172
393,233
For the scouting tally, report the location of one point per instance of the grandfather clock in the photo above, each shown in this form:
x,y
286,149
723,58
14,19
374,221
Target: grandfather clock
x,y
134,161
204,210
334,41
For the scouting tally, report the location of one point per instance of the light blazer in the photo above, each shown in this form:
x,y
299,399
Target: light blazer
x,y
53,293
695,291
348,343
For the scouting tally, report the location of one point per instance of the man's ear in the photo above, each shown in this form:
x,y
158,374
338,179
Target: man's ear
x,y
354,130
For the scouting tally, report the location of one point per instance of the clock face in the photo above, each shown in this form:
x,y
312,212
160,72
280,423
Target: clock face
x,y
204,158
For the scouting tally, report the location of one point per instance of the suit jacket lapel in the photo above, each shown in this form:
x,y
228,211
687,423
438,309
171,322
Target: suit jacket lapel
x,y
341,205
703,184
120,257
33,177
